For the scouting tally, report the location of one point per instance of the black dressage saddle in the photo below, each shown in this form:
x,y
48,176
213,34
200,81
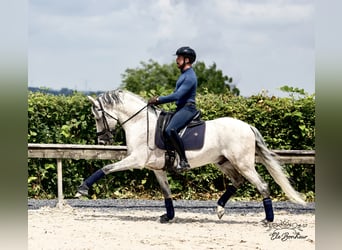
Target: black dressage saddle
x,y
192,136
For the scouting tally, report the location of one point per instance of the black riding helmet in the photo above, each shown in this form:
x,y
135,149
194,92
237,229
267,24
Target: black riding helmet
x,y
186,52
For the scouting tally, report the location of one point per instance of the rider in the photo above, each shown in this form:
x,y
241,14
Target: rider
x,y
185,97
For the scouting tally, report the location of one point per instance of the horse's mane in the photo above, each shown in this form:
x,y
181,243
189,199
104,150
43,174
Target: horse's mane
x,y
115,96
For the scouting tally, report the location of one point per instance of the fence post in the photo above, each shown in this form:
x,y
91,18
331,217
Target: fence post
x,y
59,183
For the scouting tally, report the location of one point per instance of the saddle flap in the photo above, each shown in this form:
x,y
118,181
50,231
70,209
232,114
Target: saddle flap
x,y
163,120
192,135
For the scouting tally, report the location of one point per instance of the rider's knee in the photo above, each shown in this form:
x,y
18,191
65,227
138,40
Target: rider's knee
x,y
170,132
167,133
173,132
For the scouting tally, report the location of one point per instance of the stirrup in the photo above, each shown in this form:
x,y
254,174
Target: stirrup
x,y
182,166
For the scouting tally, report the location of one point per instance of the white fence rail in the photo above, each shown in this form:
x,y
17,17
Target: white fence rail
x,y
100,152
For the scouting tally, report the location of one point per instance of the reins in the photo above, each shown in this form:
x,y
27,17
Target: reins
x,y
121,124
148,129
106,125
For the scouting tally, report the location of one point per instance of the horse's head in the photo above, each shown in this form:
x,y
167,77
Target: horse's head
x,y
105,121
111,106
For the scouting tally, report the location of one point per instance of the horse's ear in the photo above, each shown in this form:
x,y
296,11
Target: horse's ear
x,y
92,100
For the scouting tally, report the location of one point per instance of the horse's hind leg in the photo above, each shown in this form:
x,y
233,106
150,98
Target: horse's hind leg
x,y
236,179
253,177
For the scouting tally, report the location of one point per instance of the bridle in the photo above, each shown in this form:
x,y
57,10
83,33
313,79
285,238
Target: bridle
x,y
106,131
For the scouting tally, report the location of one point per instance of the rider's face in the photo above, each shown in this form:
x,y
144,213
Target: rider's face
x,y
180,61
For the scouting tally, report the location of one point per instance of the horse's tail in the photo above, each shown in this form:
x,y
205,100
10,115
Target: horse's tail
x,y
275,169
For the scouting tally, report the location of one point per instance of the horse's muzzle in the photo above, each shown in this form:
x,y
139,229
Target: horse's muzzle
x,y
105,138
101,142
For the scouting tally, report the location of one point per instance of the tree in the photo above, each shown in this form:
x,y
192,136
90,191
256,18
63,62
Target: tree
x,y
213,79
153,76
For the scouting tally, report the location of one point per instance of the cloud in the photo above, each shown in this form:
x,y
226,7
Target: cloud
x,y
86,41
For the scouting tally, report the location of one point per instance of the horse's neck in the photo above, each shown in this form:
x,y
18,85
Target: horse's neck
x,y
129,107
140,126
136,110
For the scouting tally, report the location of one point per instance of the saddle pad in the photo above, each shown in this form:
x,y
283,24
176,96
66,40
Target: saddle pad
x,y
193,138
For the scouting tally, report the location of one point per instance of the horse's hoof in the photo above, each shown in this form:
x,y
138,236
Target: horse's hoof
x,y
78,195
220,211
165,219
82,191
266,222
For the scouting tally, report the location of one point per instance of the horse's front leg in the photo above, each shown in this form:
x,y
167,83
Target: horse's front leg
x,y
165,187
129,162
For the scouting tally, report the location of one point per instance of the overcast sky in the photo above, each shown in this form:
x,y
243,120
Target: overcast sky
x,y
88,44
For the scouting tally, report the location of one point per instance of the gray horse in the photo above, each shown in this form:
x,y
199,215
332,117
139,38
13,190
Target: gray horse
x,y
229,143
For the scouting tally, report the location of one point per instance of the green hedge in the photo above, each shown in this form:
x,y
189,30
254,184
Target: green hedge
x,y
285,123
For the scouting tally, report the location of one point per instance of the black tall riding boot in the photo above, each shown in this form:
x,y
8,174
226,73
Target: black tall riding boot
x,y
178,145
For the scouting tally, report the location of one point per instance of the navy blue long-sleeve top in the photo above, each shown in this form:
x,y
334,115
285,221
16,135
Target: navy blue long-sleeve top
x,y
185,90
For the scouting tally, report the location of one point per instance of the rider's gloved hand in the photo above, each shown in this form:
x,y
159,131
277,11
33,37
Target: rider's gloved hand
x,y
153,101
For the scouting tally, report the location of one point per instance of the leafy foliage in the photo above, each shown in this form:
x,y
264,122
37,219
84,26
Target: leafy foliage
x,y
153,76
285,123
